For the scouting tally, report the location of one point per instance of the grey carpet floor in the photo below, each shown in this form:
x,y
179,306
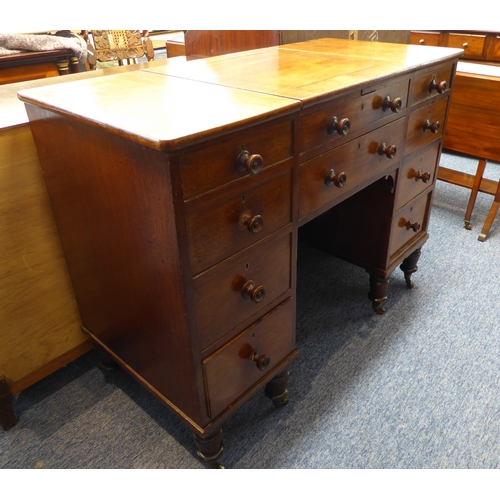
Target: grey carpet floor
x,y
416,388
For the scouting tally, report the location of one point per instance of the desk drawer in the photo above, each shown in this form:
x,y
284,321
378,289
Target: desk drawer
x,y
473,45
430,83
410,222
204,169
425,125
425,38
359,161
232,218
360,110
417,174
230,371
493,49
220,301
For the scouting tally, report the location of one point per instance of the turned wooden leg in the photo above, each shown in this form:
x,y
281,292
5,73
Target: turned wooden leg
x,y
378,292
7,416
277,389
210,448
473,195
491,215
409,266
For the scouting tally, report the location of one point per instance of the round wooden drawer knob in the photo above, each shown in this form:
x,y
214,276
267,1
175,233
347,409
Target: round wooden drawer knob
x,y
393,104
338,179
389,151
254,223
423,176
341,126
433,127
249,163
261,360
253,292
415,226
440,87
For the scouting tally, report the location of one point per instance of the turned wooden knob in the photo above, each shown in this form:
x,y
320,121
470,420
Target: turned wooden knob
x,y
338,179
389,151
253,292
254,223
433,127
341,126
393,104
245,162
261,360
415,226
440,87
424,177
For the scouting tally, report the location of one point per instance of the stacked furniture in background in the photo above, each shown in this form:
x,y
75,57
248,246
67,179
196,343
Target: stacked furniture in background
x,y
473,124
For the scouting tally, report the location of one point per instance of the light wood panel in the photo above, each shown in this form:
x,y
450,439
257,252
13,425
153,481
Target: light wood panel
x,y
40,324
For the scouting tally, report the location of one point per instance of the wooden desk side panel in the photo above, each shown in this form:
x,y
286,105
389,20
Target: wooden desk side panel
x,y
474,115
113,204
40,324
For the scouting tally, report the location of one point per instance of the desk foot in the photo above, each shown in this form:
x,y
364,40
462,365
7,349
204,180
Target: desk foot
x,y
378,292
106,362
7,416
276,390
491,216
210,449
467,225
409,266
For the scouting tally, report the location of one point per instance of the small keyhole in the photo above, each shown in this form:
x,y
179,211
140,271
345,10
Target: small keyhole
x,y
253,334
243,199
247,266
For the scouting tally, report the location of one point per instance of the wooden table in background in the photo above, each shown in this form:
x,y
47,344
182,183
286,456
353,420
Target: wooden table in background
x,y
474,129
27,66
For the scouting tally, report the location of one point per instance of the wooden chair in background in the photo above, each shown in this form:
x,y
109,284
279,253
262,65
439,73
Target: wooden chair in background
x,y
123,46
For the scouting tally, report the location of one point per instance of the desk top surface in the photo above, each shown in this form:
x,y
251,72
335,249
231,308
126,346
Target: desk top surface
x,y
169,105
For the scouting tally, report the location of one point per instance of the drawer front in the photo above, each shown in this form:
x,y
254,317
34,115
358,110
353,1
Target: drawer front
x,y
425,125
231,371
425,38
208,168
230,219
430,83
361,111
410,222
494,49
358,160
473,45
417,174
228,294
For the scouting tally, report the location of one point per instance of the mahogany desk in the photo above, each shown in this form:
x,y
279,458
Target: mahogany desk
x,y
179,191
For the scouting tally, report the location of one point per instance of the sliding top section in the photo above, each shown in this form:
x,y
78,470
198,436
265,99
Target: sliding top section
x,y
158,111
310,71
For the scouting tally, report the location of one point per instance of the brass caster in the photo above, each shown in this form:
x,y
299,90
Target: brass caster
x,y
467,225
409,283
379,309
212,462
482,237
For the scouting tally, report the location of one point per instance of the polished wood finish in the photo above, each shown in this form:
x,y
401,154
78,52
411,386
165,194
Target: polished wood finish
x,y
473,130
206,43
481,46
182,258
